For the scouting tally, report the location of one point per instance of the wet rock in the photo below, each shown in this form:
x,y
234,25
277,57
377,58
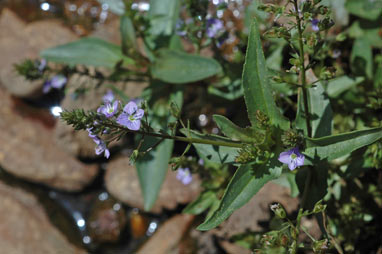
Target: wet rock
x,y
28,150
78,143
168,236
109,31
106,221
138,224
25,227
20,41
122,182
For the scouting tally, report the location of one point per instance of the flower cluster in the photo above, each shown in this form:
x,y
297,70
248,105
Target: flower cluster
x,y
130,117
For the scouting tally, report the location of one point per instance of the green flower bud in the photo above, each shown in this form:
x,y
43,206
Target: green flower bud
x,y
278,210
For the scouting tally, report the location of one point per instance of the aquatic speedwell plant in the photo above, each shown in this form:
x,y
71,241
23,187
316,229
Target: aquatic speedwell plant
x,y
258,151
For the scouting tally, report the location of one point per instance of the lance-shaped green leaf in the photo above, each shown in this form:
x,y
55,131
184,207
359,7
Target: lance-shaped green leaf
x,y
127,34
320,111
152,168
342,84
335,146
365,9
214,153
362,58
317,185
176,67
87,51
163,16
235,132
257,90
245,183
202,203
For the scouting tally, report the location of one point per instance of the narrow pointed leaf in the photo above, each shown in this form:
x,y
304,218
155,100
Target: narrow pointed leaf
x,y
177,67
87,51
335,146
246,182
235,132
257,90
321,114
152,168
214,153
202,203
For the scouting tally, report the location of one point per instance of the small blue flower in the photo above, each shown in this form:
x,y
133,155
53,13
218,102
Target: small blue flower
x,y
315,23
109,96
293,158
131,116
214,26
57,82
101,147
184,175
108,109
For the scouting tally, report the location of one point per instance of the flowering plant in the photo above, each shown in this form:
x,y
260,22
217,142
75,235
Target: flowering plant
x,y
291,122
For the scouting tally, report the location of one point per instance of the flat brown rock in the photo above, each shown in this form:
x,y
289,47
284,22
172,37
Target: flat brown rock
x,y
25,227
168,235
20,41
28,150
122,182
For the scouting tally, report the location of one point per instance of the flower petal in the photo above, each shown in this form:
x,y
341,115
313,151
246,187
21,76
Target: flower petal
x,y
123,119
107,153
139,114
130,108
284,157
134,125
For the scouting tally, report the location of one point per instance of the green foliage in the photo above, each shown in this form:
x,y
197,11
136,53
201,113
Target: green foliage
x,y
257,91
176,67
202,203
163,16
237,133
127,31
245,183
335,146
87,51
362,58
366,9
341,84
214,153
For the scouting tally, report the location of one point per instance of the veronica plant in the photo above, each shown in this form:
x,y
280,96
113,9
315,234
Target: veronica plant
x,y
261,152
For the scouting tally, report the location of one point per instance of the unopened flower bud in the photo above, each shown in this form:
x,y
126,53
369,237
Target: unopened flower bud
x,y
319,207
320,246
278,210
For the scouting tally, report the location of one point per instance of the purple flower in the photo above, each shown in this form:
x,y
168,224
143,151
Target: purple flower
x,y
109,96
315,23
201,162
41,65
91,134
108,109
184,175
131,116
101,147
57,82
214,26
293,158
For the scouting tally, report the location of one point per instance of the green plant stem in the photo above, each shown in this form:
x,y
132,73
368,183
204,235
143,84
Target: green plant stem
x,y
178,138
303,70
